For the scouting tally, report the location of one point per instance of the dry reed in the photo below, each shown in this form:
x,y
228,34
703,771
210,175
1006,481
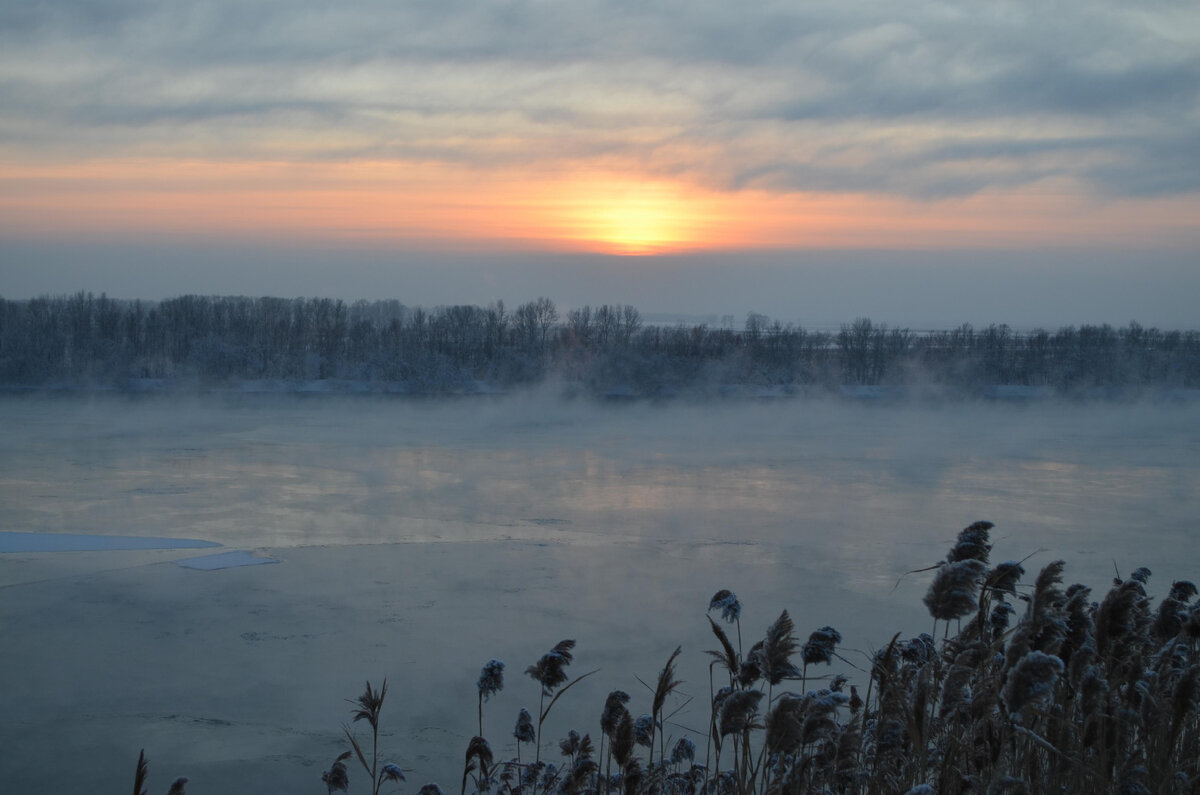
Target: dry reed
x,y
1030,689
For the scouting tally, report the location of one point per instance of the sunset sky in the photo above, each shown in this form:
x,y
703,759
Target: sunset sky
x,y
919,162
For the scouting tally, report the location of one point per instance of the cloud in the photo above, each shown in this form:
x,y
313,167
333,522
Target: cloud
x,y
924,99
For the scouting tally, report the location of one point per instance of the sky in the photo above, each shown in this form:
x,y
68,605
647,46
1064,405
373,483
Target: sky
x,y
924,163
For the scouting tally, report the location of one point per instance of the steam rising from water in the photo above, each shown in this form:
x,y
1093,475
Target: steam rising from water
x,y
270,472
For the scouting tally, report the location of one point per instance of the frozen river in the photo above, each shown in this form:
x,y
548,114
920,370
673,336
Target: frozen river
x,y
417,539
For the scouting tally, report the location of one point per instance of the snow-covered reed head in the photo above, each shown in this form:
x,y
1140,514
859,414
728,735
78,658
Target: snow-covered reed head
x,y
972,543
727,602
524,730
820,646
643,730
491,679
739,711
337,778
614,705
953,593
549,670
1031,682
684,751
1005,576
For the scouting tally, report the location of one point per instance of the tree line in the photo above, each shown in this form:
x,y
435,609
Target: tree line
x,y
84,339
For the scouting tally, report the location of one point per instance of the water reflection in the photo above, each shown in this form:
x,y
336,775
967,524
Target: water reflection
x,y
838,478
611,525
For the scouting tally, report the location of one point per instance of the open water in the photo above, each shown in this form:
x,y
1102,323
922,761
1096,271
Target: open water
x,y
419,538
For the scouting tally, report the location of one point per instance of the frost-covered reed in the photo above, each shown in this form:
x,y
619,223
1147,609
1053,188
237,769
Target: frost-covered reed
x,y
1031,688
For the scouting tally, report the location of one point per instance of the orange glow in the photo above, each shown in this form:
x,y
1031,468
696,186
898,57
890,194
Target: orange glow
x,y
448,206
627,216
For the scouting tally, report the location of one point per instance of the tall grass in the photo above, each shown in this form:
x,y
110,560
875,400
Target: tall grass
x,y
1031,688
142,776
368,707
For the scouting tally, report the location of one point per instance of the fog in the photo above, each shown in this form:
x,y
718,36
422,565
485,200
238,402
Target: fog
x,y
416,539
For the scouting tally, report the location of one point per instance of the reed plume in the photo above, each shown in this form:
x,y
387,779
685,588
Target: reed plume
x,y
666,685
490,682
731,610
1031,682
549,671
727,602
739,711
777,650
337,778
972,543
953,592
1070,697
142,773
524,729
369,706
478,760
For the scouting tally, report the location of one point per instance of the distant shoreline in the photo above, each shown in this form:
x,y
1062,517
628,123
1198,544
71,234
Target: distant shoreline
x,y
607,352
1014,393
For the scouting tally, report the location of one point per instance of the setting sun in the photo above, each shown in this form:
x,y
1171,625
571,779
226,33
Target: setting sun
x,y
635,227
630,217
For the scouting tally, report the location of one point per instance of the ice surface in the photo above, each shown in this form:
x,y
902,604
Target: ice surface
x,y
87,542
225,560
423,538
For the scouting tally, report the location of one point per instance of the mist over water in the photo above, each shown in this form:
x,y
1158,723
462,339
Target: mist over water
x,y
420,538
278,471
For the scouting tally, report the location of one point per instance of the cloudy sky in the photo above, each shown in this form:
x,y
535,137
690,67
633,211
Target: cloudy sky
x,y
919,162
